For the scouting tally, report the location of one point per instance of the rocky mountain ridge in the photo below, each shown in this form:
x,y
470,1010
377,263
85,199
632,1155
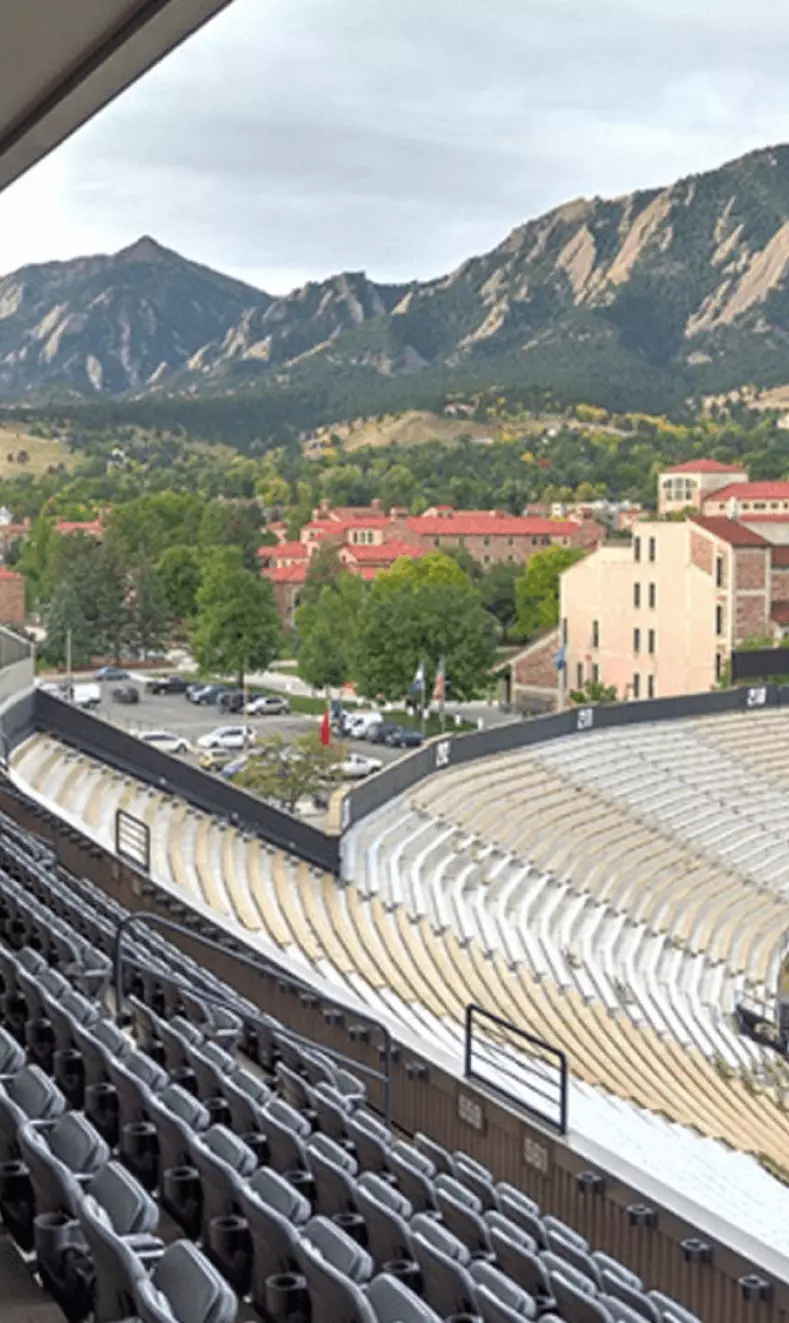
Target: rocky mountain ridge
x,y
687,281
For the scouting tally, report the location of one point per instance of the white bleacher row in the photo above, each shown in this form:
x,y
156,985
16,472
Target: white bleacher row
x,y
419,981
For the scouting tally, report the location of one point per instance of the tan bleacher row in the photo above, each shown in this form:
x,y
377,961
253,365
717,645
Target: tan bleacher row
x,y
393,960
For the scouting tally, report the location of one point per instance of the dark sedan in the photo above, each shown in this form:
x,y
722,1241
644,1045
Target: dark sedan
x,y
402,737
126,693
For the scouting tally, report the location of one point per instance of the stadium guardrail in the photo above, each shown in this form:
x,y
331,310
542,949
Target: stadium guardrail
x,y
451,750
133,757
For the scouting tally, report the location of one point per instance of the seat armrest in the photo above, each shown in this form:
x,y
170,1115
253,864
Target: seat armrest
x,y
149,1249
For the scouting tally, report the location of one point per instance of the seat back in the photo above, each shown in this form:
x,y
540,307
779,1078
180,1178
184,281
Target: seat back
x,y
447,1285
130,1209
222,1159
338,1248
117,1270
388,1237
274,1238
395,1303
334,1173
332,1295
55,1187
189,1286
575,1305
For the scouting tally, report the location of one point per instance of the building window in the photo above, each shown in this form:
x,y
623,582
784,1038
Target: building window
x,y
718,665
652,548
651,641
650,686
595,673
509,542
636,686
595,634
636,640
719,620
534,542
436,541
719,571
486,542
546,541
653,595
636,548
564,631
579,675
636,594
487,560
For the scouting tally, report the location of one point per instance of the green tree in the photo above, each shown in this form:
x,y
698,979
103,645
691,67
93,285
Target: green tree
x,y
328,630
232,524
66,613
323,571
537,591
179,575
236,628
398,486
148,616
593,692
498,593
285,773
420,611
35,556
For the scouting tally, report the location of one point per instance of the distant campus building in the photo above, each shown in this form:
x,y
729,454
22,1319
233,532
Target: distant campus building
x,y
369,540
661,614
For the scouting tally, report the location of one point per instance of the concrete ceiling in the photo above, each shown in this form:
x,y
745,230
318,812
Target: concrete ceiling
x,y
62,60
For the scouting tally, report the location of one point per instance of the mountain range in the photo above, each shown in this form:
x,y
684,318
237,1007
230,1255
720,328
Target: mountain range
x,y
687,285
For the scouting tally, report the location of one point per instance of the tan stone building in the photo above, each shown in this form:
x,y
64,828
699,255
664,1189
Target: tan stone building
x,y
686,486
661,615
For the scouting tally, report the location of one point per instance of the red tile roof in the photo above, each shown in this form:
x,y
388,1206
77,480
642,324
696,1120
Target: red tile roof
x,y
479,523
286,573
284,551
728,530
92,528
386,553
752,491
705,466
9,574
764,517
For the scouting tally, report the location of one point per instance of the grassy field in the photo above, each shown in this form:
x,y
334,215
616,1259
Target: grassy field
x,y
408,429
42,452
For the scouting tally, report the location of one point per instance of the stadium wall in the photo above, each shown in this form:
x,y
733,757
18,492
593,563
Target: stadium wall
x,y
668,1251
133,757
450,750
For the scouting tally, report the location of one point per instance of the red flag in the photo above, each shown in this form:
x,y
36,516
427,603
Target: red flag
x,y
326,729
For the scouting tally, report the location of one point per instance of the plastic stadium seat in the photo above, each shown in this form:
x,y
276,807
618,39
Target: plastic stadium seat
x,y
386,1215
496,1293
448,1287
339,1249
670,1310
222,1159
575,1305
29,1095
523,1266
274,1211
414,1174
12,1056
334,1171
184,1288
156,1147
371,1140
395,1303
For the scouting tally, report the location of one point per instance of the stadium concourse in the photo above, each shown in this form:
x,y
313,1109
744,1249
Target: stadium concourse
x,y
617,895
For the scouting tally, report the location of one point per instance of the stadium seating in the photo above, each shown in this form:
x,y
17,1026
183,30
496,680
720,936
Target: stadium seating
x,y
289,1197
557,951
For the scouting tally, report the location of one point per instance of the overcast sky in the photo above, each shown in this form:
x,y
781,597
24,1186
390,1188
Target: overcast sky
x,y
294,138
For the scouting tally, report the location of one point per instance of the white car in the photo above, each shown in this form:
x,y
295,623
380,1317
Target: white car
x,y
267,705
166,741
361,725
357,765
227,737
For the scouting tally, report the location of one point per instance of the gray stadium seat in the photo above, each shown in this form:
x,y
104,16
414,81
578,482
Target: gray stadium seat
x,y
184,1288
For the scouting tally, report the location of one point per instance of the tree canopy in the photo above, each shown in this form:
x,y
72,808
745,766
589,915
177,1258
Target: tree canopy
x,y
537,591
236,628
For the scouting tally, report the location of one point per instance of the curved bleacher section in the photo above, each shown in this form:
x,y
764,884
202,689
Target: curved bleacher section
x,y
436,913
196,1162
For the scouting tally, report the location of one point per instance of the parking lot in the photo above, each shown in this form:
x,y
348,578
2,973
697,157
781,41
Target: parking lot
x,y
174,712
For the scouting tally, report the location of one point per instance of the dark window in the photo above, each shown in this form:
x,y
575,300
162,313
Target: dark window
x,y
651,641
564,631
636,548
650,686
719,620
718,665
652,548
653,594
636,686
636,640
636,594
595,673
595,634
719,571
579,675
486,542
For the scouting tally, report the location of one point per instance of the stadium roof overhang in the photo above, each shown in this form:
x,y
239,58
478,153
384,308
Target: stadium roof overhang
x,y
62,60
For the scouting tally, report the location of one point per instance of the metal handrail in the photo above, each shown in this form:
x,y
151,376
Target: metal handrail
x,y
559,1056
260,965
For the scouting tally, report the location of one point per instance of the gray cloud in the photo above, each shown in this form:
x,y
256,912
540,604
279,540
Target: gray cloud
x,y
293,138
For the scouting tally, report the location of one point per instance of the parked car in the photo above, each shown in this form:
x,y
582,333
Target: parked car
x,y
165,740
58,688
362,724
126,693
168,684
231,701
404,737
230,769
268,705
205,694
358,765
380,733
227,737
214,760
112,673
86,695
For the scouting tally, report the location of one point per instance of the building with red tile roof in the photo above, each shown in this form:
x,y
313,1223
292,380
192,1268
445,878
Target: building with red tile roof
x,y
704,466
686,486
89,528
